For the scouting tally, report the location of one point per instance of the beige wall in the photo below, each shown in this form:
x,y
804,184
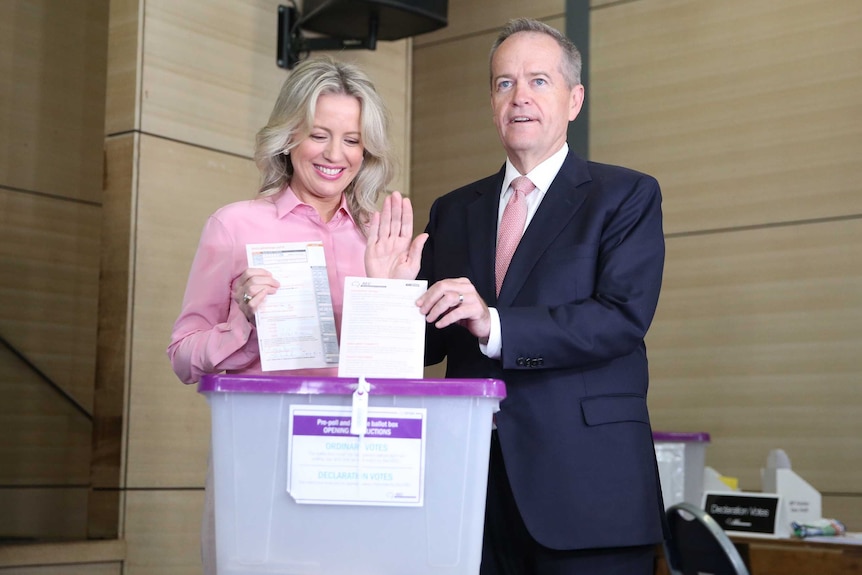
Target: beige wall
x,y
67,558
748,113
52,94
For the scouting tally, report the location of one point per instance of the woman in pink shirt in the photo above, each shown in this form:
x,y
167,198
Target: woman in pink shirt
x,y
324,159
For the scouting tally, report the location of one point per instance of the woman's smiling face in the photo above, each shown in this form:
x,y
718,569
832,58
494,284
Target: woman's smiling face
x,y
328,159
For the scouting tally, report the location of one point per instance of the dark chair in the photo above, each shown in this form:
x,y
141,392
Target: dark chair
x,y
698,545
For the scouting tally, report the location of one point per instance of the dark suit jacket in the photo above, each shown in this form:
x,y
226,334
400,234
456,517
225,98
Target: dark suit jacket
x,y
574,308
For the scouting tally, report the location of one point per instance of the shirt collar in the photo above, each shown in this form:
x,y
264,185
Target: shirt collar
x,y
543,174
287,202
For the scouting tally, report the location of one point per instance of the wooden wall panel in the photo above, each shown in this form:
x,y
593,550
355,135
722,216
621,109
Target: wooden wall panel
x,y
49,253
846,508
43,513
455,141
747,112
179,187
210,78
209,73
757,342
115,303
113,568
112,366
73,558
122,99
472,17
44,440
52,96
162,532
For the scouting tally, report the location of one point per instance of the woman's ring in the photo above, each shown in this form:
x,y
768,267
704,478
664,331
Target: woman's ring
x,y
460,298
246,298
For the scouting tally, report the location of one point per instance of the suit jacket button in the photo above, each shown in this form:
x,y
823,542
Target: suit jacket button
x,y
520,362
534,362
541,361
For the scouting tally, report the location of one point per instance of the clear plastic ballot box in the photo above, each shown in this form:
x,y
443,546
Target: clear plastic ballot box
x,y
681,460
298,491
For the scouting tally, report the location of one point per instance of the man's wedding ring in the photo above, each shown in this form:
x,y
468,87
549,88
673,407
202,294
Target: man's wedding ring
x,y
460,298
246,298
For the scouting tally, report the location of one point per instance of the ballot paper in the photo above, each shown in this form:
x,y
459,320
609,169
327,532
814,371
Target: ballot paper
x,y
295,325
382,329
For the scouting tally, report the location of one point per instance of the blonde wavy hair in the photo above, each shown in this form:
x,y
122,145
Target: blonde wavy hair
x,y
291,120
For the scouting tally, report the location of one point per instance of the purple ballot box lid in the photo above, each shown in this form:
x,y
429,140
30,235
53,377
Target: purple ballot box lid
x,y
676,436
311,385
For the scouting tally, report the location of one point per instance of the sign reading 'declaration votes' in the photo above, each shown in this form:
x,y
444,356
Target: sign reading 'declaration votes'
x,y
749,513
328,465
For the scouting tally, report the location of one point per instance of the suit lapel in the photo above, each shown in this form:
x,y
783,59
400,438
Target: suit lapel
x,y
557,209
482,235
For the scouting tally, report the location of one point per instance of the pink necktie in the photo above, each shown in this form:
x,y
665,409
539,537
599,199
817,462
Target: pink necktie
x,y
512,226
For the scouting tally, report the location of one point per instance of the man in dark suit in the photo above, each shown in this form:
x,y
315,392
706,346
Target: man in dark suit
x,y
573,483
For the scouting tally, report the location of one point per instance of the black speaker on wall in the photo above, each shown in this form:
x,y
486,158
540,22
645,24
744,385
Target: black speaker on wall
x,y
396,19
353,24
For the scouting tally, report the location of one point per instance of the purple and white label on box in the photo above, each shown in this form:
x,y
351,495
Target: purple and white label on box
x,y
327,465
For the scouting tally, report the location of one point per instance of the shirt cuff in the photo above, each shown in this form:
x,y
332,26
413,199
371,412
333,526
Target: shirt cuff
x,y
494,348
